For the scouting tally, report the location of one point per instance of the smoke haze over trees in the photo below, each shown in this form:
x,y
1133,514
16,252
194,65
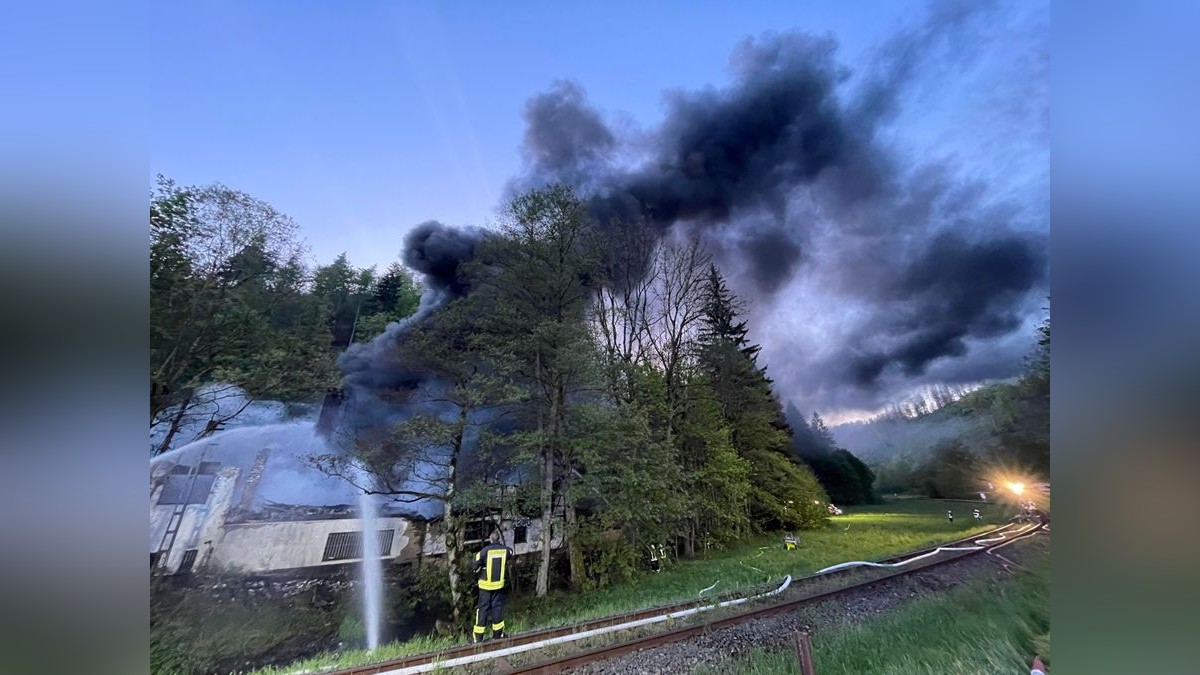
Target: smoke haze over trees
x,y
636,408
872,270
945,451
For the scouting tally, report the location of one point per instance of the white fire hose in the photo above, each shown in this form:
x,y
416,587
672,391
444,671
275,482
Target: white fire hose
x,y
979,543
463,660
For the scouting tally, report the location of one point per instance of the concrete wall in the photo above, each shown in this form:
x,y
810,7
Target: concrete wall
x,y
199,527
256,547
435,542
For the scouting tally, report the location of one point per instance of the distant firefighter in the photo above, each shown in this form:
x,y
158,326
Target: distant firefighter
x,y
658,556
950,515
976,515
790,542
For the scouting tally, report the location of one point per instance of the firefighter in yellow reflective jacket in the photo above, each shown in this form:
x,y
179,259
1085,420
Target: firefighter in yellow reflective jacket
x,y
491,570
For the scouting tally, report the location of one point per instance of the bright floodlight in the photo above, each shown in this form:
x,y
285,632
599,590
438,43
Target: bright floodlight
x,y
1017,488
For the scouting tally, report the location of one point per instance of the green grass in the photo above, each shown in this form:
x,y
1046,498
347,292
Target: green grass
x,y
992,626
360,657
862,533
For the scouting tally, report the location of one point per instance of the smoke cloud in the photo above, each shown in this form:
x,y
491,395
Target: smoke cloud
x,y
373,373
868,269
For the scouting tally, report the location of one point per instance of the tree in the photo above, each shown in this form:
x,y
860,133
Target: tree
x,y
782,492
347,294
721,313
951,471
846,479
678,312
1025,440
221,265
716,477
627,484
422,457
536,273
397,295
621,309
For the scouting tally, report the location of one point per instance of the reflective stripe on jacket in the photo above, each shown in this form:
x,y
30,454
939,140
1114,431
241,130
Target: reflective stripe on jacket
x,y
491,566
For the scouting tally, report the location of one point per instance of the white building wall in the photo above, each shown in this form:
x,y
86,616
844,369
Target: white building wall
x,y
256,547
212,523
200,525
436,545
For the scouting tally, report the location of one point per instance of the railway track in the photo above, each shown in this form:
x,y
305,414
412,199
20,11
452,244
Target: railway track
x,y
479,652
607,652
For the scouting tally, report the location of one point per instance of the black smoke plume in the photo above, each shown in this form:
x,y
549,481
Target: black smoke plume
x,y
785,174
374,376
788,155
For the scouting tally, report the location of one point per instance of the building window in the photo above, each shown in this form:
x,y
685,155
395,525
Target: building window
x,y
206,468
476,530
348,545
180,489
189,560
520,534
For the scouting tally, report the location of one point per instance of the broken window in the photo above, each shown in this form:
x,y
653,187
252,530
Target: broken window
x,y
189,560
476,530
181,489
348,545
520,534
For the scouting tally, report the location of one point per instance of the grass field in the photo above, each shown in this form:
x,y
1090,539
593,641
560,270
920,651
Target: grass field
x,y
862,533
991,626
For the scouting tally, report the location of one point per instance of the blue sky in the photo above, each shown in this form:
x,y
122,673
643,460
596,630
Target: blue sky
x,y
362,119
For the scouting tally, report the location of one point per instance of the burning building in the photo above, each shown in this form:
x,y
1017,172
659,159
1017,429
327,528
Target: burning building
x,y
250,501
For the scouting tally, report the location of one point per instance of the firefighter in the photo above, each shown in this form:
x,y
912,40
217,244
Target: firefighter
x,y
977,515
491,571
949,515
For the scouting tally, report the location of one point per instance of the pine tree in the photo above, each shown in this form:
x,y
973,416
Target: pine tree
x,y
782,492
721,311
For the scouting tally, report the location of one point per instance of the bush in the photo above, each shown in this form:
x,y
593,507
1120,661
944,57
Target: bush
x,y
607,559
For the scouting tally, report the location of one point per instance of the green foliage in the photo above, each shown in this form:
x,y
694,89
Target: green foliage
x,y
396,296
846,479
607,556
955,471
781,492
351,629
717,477
784,495
231,302
628,479
228,303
